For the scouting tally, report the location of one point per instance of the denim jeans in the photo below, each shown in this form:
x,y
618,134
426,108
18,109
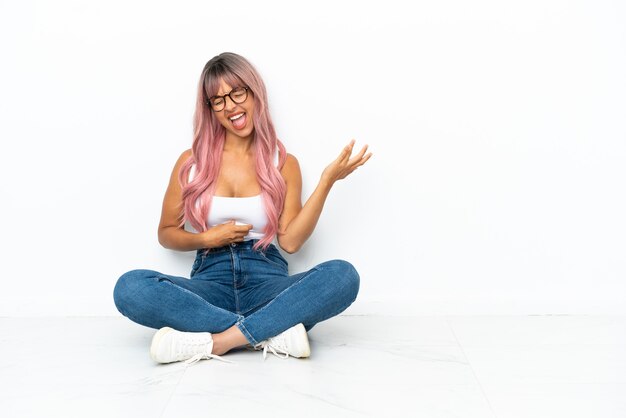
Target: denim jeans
x,y
237,285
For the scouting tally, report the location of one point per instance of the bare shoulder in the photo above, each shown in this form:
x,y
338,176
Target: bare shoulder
x,y
291,169
185,155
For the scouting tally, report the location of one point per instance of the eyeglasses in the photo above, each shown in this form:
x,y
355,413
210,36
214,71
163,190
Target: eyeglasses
x,y
237,95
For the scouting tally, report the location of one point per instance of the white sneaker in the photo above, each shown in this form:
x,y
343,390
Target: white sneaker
x,y
169,345
293,342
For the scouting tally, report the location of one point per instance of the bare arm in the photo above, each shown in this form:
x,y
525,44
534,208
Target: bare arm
x,y
297,223
176,238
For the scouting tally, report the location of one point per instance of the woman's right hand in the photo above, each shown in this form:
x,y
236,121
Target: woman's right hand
x,y
226,233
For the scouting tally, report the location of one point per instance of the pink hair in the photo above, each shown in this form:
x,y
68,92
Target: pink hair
x,y
208,145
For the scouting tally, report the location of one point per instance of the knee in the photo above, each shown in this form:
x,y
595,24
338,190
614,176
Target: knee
x,y
345,276
127,287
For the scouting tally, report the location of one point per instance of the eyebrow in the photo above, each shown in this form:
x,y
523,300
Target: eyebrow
x,y
222,95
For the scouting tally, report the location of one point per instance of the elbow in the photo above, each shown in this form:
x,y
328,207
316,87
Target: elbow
x,y
289,250
289,247
161,237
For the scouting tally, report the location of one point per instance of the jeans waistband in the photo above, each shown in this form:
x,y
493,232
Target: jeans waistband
x,y
245,245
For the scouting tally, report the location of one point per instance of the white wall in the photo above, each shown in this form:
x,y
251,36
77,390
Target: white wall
x,y
498,132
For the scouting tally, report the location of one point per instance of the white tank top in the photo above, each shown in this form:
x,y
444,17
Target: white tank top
x,y
244,210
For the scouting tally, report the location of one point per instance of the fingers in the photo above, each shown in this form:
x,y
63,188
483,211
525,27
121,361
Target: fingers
x,y
240,227
364,159
346,164
346,152
239,234
236,233
360,163
360,158
357,163
241,231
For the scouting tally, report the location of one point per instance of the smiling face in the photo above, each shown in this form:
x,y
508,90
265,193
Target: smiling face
x,y
236,118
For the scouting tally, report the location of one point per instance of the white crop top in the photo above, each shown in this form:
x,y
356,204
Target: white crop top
x,y
244,210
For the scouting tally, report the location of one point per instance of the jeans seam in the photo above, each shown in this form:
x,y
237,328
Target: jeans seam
x,y
202,260
282,267
235,293
245,332
200,265
166,280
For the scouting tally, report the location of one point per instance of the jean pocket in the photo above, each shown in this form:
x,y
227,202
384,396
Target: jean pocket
x,y
197,264
273,257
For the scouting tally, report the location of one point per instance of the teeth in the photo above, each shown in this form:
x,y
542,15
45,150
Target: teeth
x,y
236,116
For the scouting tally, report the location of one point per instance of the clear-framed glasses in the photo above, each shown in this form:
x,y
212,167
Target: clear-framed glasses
x,y
237,95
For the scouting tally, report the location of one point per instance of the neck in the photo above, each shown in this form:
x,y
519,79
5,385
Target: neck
x,y
238,145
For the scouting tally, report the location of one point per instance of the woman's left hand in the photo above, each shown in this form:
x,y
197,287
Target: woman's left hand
x,y
344,165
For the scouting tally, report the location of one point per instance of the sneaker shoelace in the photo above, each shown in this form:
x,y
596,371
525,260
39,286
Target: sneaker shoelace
x,y
201,356
202,350
275,343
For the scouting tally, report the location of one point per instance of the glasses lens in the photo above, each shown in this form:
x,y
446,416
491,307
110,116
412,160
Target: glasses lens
x,y
217,103
239,95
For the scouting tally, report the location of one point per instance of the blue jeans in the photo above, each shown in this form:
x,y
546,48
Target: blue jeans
x,y
237,285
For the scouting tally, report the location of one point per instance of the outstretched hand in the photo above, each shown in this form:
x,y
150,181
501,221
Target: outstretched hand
x,y
344,165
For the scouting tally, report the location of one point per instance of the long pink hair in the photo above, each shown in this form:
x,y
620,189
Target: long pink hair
x,y
208,145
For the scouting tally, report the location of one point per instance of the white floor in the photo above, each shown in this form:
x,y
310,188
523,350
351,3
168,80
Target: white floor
x,y
458,366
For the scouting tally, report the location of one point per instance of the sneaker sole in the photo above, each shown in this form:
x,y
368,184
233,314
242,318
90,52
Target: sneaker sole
x,y
156,340
303,335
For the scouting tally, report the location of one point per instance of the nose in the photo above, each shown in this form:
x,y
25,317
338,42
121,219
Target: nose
x,y
228,107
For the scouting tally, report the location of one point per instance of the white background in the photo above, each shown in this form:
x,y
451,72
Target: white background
x,y
498,131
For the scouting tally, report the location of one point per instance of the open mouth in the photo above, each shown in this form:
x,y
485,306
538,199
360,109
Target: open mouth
x,y
239,120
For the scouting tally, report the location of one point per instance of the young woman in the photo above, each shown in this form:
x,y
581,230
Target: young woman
x,y
240,192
